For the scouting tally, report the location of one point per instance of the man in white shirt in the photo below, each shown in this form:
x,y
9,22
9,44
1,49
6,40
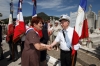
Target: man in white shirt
x,y
64,37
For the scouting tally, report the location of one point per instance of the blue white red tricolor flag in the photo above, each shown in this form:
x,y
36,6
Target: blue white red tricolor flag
x,y
10,28
34,8
20,25
79,23
85,32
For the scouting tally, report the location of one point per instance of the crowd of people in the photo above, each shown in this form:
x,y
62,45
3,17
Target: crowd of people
x,y
39,37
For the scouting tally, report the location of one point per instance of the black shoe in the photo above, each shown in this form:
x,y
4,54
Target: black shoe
x,y
9,59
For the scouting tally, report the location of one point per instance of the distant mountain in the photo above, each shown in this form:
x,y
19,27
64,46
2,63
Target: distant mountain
x,y
45,16
27,18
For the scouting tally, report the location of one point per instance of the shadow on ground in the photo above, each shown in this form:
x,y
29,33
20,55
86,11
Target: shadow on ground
x,y
97,50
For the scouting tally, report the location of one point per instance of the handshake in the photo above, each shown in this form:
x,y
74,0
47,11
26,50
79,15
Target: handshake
x,y
49,47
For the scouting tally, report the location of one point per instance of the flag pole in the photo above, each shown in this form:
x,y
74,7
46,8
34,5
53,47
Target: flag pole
x,y
20,7
12,36
11,11
19,10
73,57
78,27
34,8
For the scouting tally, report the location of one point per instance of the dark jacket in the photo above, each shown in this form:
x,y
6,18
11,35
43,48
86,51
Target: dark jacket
x,y
44,40
45,37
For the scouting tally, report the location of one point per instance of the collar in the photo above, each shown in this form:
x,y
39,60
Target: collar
x,y
67,29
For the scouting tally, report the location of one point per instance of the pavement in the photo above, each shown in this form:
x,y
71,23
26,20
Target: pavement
x,y
4,62
89,54
86,56
52,57
87,59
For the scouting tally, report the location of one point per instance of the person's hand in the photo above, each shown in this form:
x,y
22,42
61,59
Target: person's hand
x,y
48,47
73,52
51,46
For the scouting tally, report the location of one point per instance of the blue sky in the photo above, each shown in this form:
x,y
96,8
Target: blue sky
x,y
50,7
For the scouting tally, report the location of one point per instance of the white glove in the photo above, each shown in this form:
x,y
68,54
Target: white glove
x,y
77,46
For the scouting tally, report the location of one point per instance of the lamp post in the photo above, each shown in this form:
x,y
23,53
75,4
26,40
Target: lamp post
x,y
11,12
11,8
0,15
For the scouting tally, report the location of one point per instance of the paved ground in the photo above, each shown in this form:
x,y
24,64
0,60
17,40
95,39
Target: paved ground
x,y
84,57
87,58
54,55
6,55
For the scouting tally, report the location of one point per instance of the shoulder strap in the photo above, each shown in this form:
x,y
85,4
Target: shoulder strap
x,y
63,34
29,30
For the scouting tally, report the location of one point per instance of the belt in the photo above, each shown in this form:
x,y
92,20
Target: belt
x,y
64,51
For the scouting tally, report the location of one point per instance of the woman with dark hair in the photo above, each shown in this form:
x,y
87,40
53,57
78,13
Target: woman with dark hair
x,y
33,46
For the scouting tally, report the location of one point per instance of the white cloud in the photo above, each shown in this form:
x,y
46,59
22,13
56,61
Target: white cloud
x,y
5,8
67,8
47,3
29,2
56,5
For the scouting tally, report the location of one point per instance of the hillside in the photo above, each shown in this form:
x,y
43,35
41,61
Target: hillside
x,y
27,18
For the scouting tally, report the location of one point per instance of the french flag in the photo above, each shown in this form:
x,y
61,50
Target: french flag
x,y
10,28
79,25
20,25
33,14
34,8
85,32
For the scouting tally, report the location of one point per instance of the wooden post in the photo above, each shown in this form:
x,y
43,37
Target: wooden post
x,y
73,59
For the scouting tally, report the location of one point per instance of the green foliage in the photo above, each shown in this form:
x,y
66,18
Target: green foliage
x,y
27,18
45,16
